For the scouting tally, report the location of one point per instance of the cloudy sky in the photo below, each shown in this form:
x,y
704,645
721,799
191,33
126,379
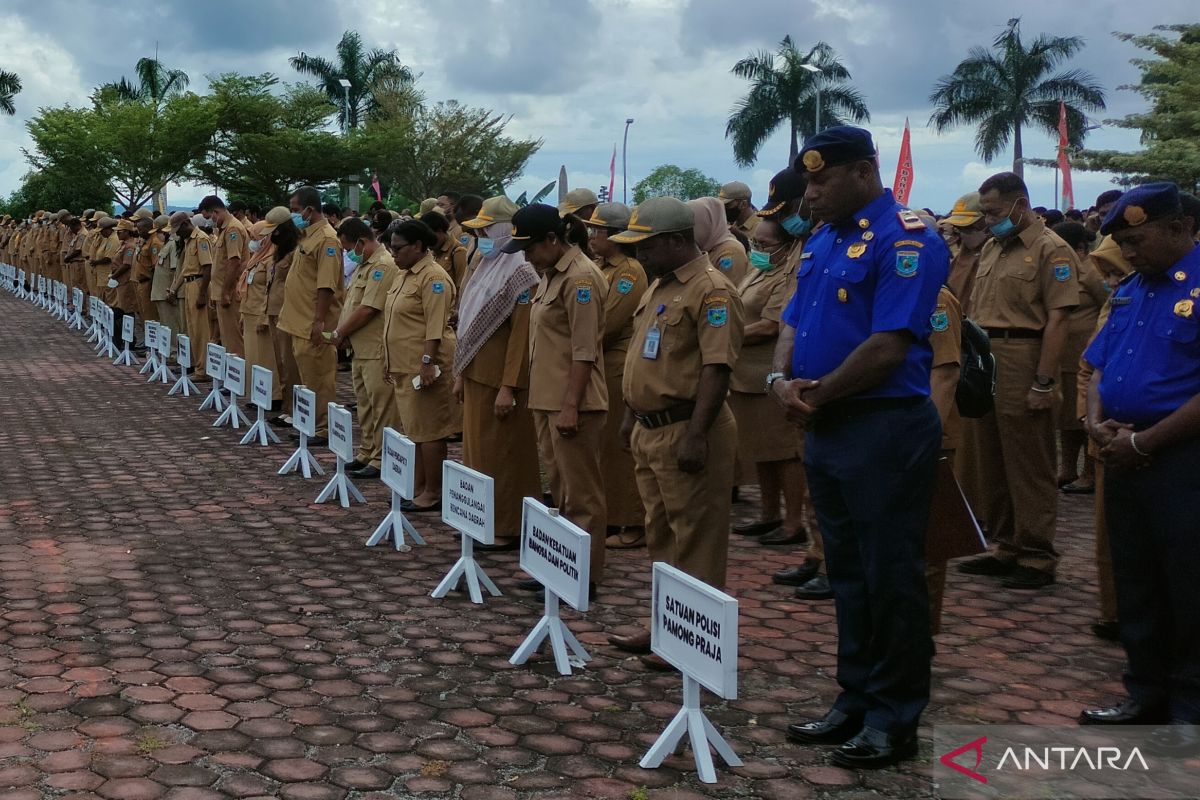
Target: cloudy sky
x,y
572,71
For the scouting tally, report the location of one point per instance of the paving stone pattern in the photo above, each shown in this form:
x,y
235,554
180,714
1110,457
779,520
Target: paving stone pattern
x,y
177,621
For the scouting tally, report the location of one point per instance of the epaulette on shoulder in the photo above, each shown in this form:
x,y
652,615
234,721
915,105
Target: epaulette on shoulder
x,y
910,221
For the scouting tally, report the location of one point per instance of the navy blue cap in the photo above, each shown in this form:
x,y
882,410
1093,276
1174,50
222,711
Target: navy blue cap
x,y
787,185
840,144
531,224
1142,204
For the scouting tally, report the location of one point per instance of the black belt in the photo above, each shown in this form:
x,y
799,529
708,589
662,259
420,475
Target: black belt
x,y
660,419
191,278
848,409
1012,333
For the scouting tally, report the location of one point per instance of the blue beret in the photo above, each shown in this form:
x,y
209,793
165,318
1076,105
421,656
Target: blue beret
x,y
840,144
1142,204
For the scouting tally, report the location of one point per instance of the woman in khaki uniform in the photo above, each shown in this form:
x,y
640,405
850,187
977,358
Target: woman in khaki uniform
x,y
491,369
627,283
450,255
251,291
123,297
767,442
418,346
713,237
281,246
566,367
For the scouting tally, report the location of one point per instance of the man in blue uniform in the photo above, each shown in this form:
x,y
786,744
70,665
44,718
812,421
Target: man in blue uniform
x,y
1144,412
852,366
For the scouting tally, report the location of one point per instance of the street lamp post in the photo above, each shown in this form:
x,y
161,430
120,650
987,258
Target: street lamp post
x,y
352,180
813,68
624,164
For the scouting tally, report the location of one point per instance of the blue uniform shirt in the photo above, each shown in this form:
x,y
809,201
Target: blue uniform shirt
x,y
1149,351
880,271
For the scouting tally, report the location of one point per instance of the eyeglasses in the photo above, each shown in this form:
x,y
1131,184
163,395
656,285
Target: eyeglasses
x,y
397,247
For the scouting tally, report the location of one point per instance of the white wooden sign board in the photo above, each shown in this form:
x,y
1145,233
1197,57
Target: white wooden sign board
x,y
467,506
260,394
341,442
234,372
398,473
304,400
183,354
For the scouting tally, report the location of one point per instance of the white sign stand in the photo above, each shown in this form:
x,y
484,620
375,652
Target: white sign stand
x,y
106,343
184,385
21,294
127,357
468,507
557,553
398,474
214,365
93,331
694,628
235,383
150,337
163,348
77,310
341,442
260,395
304,401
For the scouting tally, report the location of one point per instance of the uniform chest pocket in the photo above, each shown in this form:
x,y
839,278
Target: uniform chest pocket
x,y
852,272
806,266
1178,329
1118,319
1024,271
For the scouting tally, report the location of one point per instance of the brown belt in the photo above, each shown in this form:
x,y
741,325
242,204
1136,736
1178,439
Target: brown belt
x,y
669,416
1013,333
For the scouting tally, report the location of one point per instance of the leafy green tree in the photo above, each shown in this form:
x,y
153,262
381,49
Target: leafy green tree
x,y
1171,127
446,146
48,189
669,180
1014,86
155,83
364,69
10,87
784,92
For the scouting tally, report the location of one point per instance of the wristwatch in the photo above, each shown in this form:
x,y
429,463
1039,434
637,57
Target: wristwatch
x,y
771,378
427,360
1044,381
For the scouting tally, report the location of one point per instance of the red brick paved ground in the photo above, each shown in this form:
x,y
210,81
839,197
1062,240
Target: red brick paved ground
x,y
179,622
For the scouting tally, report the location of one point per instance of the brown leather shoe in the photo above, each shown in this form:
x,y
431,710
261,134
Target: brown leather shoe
x,y
655,662
636,643
626,539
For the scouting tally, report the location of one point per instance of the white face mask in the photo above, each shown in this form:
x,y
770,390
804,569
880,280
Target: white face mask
x,y
254,245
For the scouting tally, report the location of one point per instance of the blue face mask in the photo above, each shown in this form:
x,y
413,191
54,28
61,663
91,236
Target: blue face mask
x,y
760,259
486,246
797,225
299,220
1005,226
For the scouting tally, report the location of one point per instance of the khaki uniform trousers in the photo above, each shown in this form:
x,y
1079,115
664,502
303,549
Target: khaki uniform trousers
x,y
228,318
376,408
687,515
289,373
99,280
196,321
505,449
1010,462
573,467
625,509
171,315
146,309
317,364
260,351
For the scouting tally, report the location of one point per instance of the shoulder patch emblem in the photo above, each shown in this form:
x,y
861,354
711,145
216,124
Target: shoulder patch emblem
x,y
718,315
624,285
725,263
1062,272
377,275
907,262
329,251
204,245
438,287
233,236
583,294
466,237
523,298
128,253
908,243
940,320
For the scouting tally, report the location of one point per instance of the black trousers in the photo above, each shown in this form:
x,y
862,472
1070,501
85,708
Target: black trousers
x,y
1154,531
871,479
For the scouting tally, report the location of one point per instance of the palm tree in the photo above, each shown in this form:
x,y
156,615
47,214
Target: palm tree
x,y
10,87
1011,86
364,69
155,83
785,89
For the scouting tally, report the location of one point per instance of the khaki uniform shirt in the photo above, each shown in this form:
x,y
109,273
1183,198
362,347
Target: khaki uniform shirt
x,y
453,259
963,268
197,253
699,318
750,225
626,284
258,288
165,265
147,255
946,340
231,241
765,294
277,273
566,325
369,286
1023,278
316,265
731,259
418,310
106,248
504,358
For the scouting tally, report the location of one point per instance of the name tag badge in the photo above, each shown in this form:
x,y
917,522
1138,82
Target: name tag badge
x,y
250,278
650,348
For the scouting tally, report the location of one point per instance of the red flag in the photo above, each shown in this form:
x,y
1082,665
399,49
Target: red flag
x,y
1064,159
904,170
612,175
376,188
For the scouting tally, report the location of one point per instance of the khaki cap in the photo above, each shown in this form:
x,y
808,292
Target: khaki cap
x,y
1108,252
734,190
494,209
161,222
125,225
107,222
654,216
427,205
577,199
277,216
88,213
143,213
966,211
610,215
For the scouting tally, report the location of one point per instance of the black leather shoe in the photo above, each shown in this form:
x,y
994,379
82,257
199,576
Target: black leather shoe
x,y
757,528
638,643
780,537
872,749
1128,712
1106,630
816,589
367,472
987,565
499,546
797,576
355,465
833,728
1027,578
529,585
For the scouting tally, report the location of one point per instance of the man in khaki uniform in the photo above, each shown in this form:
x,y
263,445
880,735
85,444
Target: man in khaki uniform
x,y
103,252
741,215
231,248
1024,291
972,233
361,326
194,253
145,257
163,272
312,301
687,335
